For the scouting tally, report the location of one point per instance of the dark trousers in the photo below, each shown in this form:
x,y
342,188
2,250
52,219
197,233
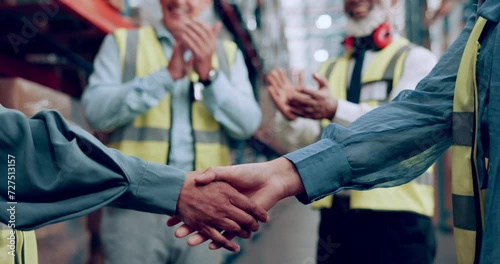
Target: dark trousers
x,y
366,236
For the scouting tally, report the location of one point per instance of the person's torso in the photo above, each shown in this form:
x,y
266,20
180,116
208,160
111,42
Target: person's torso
x,y
181,139
380,72
179,130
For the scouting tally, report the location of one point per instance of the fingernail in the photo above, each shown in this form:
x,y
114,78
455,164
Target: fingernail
x,y
180,233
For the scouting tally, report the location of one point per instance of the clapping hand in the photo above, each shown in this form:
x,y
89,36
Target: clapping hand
x,y
178,67
312,104
281,89
202,41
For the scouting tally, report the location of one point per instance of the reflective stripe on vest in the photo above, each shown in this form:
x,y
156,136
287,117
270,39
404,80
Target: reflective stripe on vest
x,y
148,136
416,196
468,199
18,247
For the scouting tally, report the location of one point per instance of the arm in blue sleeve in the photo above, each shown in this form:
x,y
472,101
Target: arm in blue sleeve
x,y
62,172
390,145
108,102
232,103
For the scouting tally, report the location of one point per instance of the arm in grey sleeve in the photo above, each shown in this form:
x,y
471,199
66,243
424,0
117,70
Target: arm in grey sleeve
x,y
390,145
61,172
108,102
232,103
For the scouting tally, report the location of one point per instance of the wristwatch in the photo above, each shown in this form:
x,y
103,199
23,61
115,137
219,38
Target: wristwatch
x,y
212,75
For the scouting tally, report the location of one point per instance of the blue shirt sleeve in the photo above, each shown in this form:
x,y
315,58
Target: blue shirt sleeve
x,y
61,172
390,145
231,101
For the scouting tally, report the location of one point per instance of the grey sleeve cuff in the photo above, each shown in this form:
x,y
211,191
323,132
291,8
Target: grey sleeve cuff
x,y
157,191
323,169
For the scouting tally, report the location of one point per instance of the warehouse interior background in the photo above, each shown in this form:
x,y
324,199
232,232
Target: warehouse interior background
x,y
46,53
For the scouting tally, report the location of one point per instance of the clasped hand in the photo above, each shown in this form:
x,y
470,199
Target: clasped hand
x,y
224,202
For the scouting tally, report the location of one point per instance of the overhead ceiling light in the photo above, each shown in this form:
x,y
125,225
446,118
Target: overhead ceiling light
x,y
321,55
324,21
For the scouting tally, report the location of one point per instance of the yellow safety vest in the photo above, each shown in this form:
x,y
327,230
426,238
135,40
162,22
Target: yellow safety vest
x,y
18,247
148,136
468,197
416,196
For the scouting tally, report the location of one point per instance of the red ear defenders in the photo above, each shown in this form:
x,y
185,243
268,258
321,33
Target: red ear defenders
x,y
381,38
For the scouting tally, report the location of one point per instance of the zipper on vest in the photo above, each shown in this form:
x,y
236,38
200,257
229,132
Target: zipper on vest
x,y
193,134
170,130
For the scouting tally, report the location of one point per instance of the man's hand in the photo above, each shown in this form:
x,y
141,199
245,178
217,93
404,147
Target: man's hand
x,y
281,89
314,104
264,183
202,41
209,207
177,66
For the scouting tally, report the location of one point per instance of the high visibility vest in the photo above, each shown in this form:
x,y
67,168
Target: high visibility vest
x,y
148,136
18,247
416,196
468,197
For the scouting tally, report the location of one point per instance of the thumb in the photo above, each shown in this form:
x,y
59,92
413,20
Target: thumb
x,y
216,28
214,174
206,177
322,83
300,78
177,50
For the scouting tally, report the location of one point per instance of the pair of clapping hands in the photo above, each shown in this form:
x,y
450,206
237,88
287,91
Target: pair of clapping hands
x,y
201,40
295,100
224,202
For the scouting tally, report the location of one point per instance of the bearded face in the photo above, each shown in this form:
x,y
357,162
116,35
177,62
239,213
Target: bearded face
x,y
358,9
364,16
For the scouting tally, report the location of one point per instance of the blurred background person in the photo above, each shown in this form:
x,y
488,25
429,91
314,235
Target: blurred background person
x,y
172,94
390,225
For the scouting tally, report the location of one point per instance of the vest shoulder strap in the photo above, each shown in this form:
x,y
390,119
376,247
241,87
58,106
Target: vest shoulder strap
x,y
130,55
386,62
327,68
388,66
394,69
226,55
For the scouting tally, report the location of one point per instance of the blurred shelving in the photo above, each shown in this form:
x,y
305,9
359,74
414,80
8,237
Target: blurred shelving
x,y
54,42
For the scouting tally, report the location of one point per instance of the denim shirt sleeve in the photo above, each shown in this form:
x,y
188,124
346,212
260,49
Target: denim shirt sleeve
x,y
110,103
231,102
390,145
62,172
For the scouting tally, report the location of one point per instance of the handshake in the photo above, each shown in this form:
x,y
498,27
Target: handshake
x,y
224,202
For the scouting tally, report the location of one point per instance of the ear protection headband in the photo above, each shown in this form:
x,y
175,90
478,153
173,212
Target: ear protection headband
x,y
381,38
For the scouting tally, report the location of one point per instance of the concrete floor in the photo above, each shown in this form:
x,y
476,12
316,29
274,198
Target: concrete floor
x,y
290,238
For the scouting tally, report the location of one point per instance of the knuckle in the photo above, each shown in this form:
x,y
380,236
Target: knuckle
x,y
209,170
251,222
234,229
244,234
